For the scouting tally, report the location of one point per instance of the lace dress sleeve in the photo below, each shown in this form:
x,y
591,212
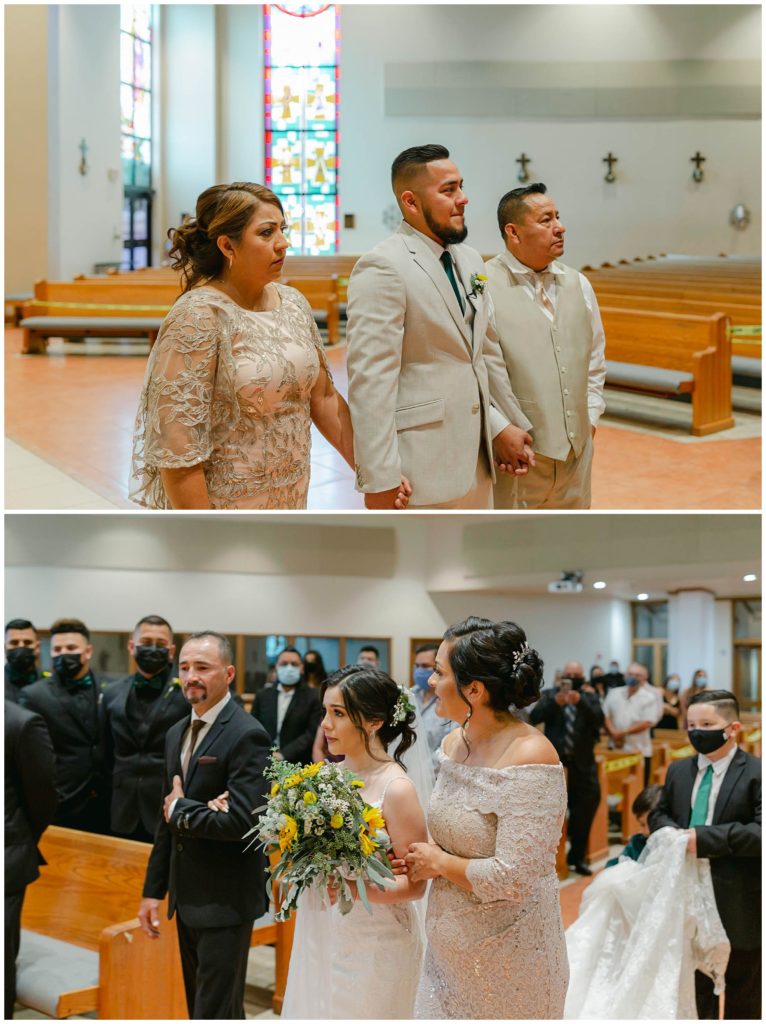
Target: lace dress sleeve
x,y
174,426
529,803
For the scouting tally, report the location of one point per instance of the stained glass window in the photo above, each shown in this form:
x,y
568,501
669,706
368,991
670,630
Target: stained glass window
x,y
301,68
136,128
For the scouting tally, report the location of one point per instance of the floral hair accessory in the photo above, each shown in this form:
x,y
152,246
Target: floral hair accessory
x,y
524,649
402,707
478,283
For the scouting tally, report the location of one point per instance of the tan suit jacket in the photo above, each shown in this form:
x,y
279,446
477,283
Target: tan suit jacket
x,y
426,389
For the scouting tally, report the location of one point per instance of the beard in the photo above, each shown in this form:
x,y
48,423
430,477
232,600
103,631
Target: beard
x,y
447,235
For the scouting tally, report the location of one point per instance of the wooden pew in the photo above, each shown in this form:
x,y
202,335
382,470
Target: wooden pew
x,y
697,349
322,295
87,896
598,838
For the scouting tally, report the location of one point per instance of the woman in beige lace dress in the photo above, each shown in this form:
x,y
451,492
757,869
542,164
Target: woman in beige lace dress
x,y
496,944
238,373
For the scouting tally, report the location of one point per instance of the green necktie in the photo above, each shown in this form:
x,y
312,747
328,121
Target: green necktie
x,y
699,811
446,261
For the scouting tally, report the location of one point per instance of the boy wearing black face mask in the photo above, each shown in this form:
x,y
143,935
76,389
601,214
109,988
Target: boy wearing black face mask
x,y
69,702
138,711
22,651
717,796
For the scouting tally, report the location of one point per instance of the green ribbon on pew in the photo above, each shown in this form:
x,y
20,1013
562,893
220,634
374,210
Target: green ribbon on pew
x,y
680,752
94,305
618,763
750,331
753,737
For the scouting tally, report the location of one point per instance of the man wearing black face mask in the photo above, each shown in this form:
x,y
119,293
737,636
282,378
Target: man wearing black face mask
x,y
69,702
22,651
138,711
717,796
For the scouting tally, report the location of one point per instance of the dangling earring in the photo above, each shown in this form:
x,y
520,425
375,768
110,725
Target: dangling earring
x,y
464,729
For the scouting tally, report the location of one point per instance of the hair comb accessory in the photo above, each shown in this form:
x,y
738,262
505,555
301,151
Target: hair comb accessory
x,y
402,707
524,649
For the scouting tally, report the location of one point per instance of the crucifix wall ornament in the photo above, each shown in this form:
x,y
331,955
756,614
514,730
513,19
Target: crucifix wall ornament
x,y
523,175
83,167
698,160
611,160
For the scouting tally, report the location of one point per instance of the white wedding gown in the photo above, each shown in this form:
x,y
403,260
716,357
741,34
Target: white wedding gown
x,y
644,926
354,966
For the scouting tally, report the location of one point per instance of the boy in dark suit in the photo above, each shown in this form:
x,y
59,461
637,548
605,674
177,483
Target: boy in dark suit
x,y
717,796
215,889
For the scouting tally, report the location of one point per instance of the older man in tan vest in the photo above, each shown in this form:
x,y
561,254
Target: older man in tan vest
x,y
552,340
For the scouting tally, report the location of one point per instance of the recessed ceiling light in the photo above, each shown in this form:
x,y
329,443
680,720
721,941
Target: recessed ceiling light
x,y
599,585
750,577
642,597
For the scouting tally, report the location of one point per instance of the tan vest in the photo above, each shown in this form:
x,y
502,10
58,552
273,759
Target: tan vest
x,y
547,360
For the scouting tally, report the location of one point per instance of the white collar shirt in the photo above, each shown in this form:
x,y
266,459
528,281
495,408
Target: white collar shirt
x,y
720,769
528,279
285,695
625,711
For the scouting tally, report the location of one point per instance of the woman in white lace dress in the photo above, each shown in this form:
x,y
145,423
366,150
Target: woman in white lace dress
x,y
238,372
496,944
361,965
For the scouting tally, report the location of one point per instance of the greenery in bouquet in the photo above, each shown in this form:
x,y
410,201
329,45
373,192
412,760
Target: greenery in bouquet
x,y
317,820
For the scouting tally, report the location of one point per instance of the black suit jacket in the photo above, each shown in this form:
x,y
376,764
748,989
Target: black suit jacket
x,y
77,740
589,719
199,858
30,794
296,737
137,756
732,841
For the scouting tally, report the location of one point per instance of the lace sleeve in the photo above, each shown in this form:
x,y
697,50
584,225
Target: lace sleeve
x,y
529,805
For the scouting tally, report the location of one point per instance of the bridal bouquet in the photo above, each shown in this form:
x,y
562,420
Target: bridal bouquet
x,y
325,833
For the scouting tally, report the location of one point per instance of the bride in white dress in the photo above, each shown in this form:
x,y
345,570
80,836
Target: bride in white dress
x,y
364,965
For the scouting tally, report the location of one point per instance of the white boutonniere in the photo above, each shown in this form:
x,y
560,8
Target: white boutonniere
x,y
478,283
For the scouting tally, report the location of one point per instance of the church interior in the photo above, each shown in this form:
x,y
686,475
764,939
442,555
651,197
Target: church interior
x,y
686,602
642,120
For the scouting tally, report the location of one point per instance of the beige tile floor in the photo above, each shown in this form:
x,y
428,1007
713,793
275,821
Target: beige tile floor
x,y
33,483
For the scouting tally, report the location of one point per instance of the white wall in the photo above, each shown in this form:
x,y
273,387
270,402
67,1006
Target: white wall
x,y
84,98
653,208
723,647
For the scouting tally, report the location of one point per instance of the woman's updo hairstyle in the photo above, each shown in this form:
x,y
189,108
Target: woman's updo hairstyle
x,y
221,210
497,655
371,694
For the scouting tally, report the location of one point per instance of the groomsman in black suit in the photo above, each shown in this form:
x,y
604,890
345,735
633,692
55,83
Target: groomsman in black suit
x,y
215,889
290,711
69,701
30,800
138,711
717,796
22,651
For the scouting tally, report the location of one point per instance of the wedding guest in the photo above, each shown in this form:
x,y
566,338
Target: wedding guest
x,y
699,684
572,716
552,340
30,801
290,712
138,711
69,703
436,728
22,658
215,889
717,796
630,712
495,938
671,703
238,372
642,807
429,393
314,671
369,655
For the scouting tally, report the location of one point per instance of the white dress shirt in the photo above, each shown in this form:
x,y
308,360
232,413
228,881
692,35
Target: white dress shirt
x,y
597,370
208,718
625,711
720,768
284,695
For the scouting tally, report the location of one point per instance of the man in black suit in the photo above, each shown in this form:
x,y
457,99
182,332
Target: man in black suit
x,y
215,889
138,711
290,712
717,796
22,652
573,718
69,701
30,800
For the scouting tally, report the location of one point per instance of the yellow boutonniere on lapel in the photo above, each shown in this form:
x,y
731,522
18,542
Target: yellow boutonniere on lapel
x,y
478,283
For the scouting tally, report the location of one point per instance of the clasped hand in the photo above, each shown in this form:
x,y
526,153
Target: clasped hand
x,y
422,861
513,451
394,497
176,793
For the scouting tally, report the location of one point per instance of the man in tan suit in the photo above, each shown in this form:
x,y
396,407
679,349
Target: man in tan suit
x,y
429,393
552,340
